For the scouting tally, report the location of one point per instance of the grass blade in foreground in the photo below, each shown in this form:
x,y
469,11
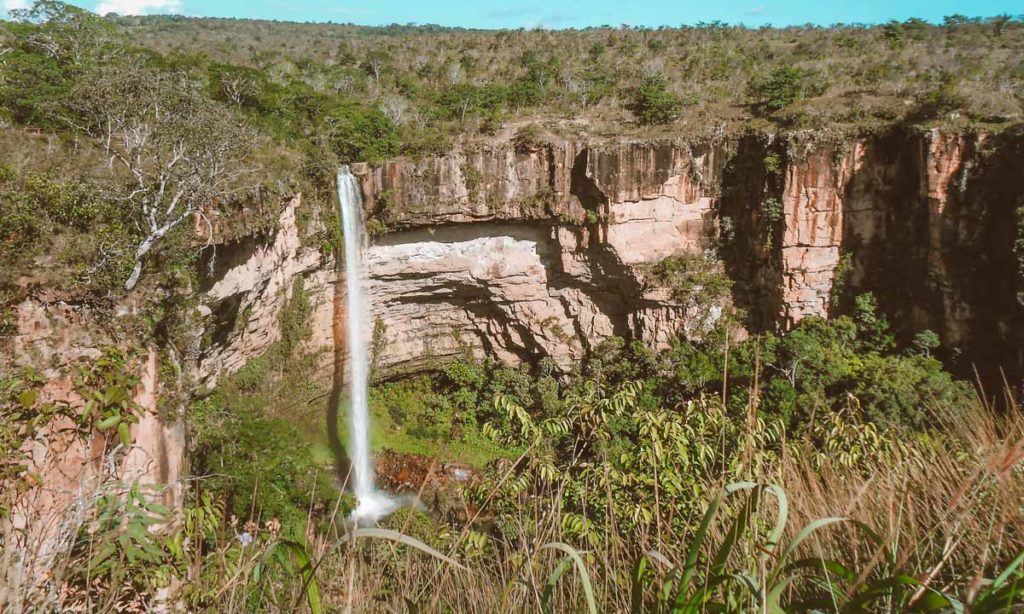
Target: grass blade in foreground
x,y
581,567
402,538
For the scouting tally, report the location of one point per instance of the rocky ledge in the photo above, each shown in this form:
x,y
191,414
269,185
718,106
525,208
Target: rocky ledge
x,y
544,251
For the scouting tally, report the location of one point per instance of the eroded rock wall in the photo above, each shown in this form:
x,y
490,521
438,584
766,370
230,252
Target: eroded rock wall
x,y
931,225
510,253
70,463
545,251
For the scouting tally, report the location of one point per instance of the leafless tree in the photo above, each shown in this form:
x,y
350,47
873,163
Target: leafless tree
x,y
395,107
453,72
238,87
179,151
344,84
376,60
420,61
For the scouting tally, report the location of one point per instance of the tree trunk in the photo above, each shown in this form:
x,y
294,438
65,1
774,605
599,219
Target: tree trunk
x,y
140,253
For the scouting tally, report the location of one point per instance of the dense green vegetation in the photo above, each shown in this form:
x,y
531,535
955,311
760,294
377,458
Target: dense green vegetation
x,y
622,463
846,373
95,237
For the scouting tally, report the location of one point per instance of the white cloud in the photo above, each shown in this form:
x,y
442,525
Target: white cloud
x,y
137,7
13,5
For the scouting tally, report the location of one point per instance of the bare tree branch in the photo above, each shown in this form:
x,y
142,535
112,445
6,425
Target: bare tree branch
x,y
179,150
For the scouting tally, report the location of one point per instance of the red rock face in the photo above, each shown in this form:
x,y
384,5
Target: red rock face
x,y
927,221
525,253
942,160
813,208
495,182
70,468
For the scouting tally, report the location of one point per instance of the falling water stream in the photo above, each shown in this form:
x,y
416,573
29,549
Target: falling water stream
x,y
371,504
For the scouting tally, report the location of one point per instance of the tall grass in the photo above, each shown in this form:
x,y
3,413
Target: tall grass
x,y
937,525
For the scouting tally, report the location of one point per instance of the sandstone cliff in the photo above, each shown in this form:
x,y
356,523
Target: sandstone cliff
x,y
516,254
522,253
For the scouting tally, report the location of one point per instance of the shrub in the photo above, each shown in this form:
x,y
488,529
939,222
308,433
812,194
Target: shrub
x,y
942,96
95,234
905,391
261,466
652,103
428,140
360,133
693,278
529,138
784,86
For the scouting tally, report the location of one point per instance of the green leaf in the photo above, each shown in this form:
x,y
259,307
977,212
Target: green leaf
x,y
801,536
893,586
125,433
1012,567
108,423
549,588
278,552
402,539
28,398
581,568
637,591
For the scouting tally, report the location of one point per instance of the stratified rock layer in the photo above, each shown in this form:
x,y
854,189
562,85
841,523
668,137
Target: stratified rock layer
x,y
518,255
543,252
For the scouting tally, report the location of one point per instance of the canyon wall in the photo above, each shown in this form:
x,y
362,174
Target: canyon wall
x,y
522,253
70,463
545,251
498,251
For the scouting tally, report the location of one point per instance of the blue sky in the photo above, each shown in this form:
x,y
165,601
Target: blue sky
x,y
561,14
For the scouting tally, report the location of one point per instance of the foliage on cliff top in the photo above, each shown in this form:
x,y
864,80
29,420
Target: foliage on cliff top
x,y
420,76
397,85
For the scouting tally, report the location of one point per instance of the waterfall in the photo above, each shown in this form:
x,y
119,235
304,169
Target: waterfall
x,y
371,504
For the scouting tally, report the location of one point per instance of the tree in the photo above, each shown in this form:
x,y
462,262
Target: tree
x,y
893,32
376,61
783,87
358,132
50,44
239,85
181,151
652,103
924,342
62,31
872,327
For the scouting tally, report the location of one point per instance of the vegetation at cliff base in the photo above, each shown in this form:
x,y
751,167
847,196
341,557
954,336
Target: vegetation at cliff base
x,y
624,459
831,465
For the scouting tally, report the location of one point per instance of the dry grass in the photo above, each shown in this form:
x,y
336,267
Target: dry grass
x,y
945,509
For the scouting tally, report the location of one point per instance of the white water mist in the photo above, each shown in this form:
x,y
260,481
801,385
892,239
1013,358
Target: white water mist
x,y
371,503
